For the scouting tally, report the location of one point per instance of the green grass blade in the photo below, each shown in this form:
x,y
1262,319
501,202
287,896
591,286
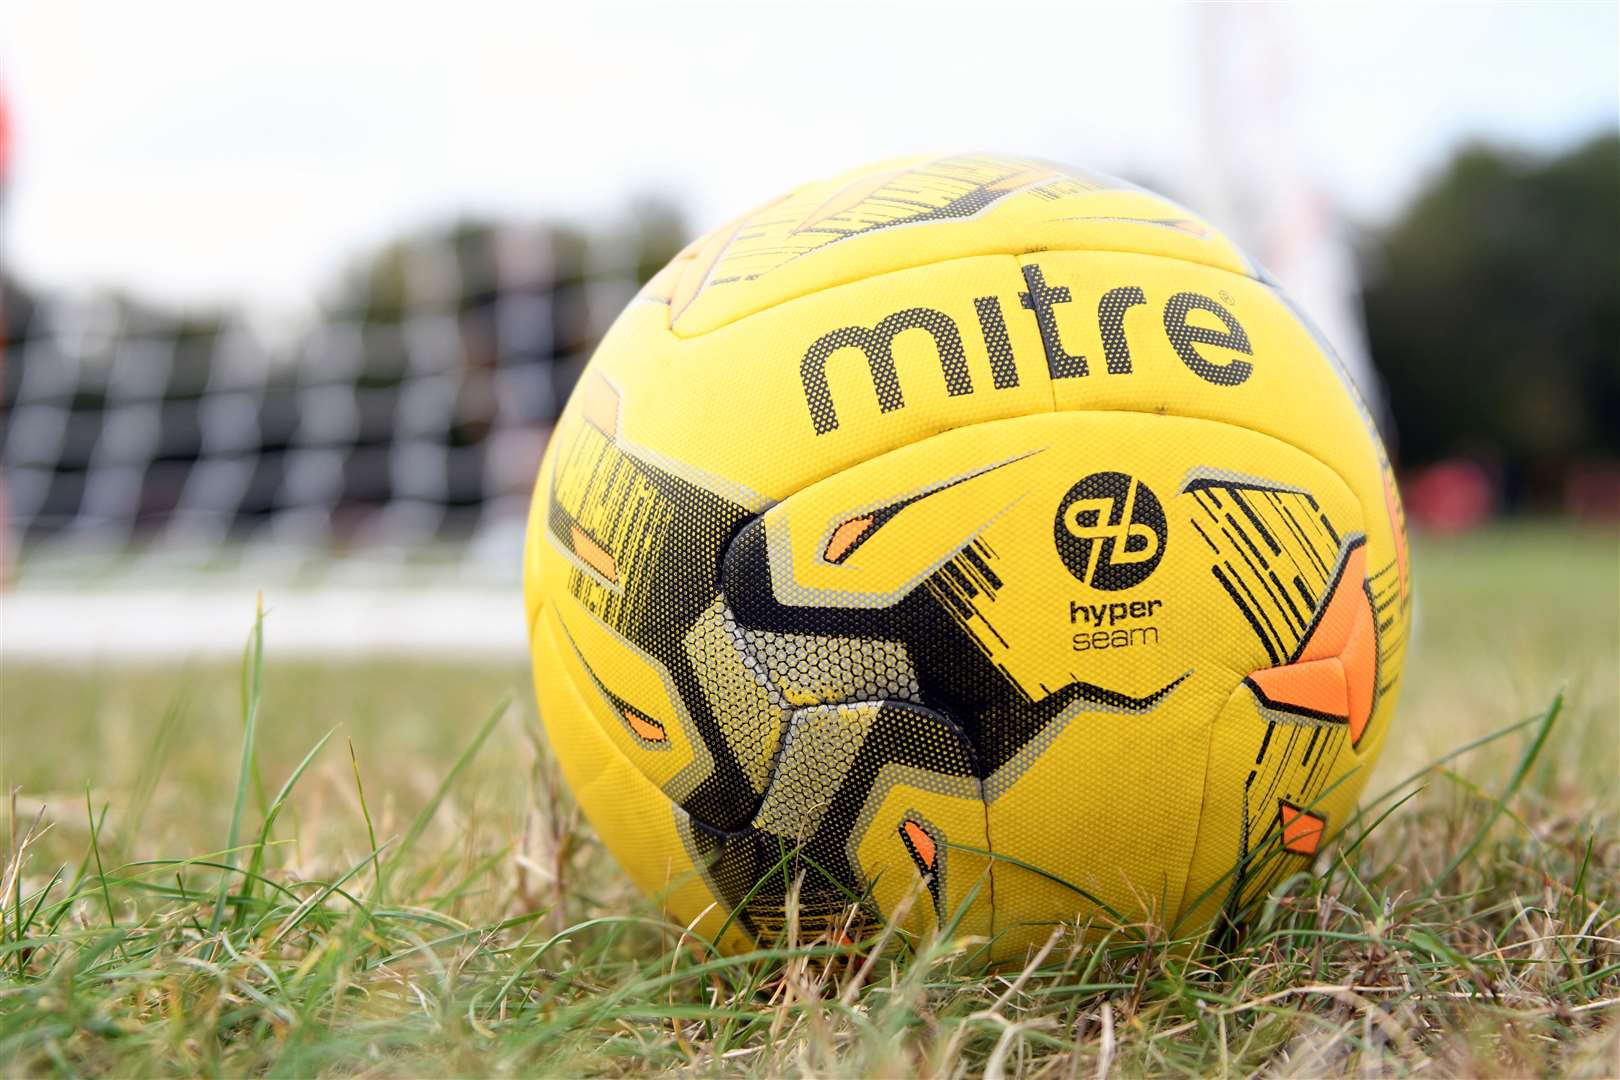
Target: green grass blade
x,y
420,823
253,668
315,900
95,848
157,757
256,860
365,812
1526,760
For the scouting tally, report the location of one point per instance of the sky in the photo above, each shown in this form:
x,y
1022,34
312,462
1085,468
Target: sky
x,y
202,152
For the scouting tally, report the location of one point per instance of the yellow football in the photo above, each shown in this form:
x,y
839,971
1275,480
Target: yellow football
x,y
977,542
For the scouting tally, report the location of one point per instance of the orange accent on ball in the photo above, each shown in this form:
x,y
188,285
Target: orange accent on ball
x,y
844,537
1301,830
921,843
595,555
1336,672
650,730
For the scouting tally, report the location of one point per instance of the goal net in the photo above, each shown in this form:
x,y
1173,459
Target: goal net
x,y
405,424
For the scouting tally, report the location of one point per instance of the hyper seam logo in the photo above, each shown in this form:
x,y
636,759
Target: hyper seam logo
x,y
1110,531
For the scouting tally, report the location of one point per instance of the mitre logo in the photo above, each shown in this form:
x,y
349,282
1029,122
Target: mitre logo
x,y
1110,531
876,343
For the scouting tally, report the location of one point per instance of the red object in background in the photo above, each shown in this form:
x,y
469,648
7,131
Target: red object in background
x,y
5,141
1592,492
1450,496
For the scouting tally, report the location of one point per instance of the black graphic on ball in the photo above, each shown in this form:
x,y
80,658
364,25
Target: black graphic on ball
x,y
1110,531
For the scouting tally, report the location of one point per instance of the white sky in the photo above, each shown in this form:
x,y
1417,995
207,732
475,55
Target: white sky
x,y
215,151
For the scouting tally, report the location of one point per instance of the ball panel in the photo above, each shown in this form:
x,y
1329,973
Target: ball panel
x,y
634,819
613,547
919,846
916,211
1277,792
634,700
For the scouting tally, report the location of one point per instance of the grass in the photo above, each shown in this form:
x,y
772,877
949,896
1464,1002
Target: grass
x,y
370,868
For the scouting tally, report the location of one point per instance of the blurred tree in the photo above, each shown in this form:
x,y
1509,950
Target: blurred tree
x,y
1493,311
390,282
660,231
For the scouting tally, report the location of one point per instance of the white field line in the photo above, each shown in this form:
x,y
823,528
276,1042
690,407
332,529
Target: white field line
x,y
136,624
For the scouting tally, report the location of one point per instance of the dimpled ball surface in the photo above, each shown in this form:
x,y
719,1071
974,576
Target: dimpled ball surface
x,y
984,539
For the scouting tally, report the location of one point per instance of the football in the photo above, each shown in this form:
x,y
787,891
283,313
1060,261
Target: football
x,y
970,543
